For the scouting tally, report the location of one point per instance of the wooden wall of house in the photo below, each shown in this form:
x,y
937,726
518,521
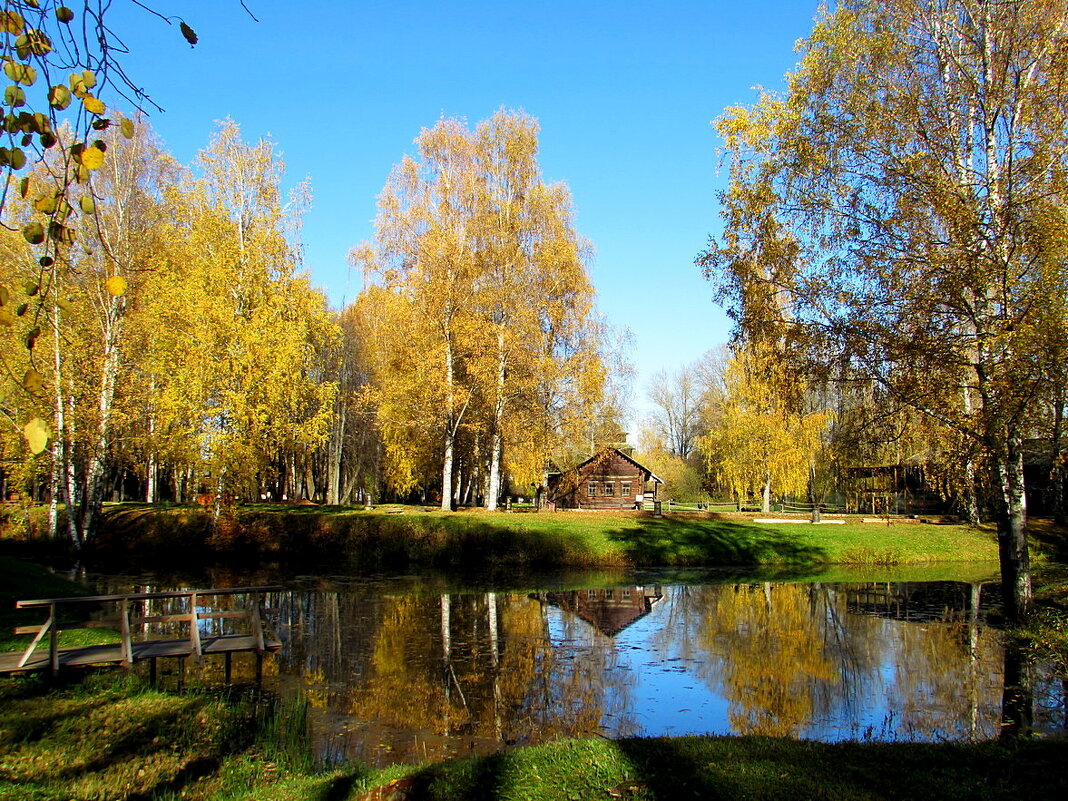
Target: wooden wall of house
x,y
608,482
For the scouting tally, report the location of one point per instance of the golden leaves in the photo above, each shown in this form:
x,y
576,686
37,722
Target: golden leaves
x,y
37,433
93,105
33,381
11,22
59,97
92,158
116,285
762,437
33,233
20,73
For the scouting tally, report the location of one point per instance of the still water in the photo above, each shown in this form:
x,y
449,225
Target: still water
x,y
406,670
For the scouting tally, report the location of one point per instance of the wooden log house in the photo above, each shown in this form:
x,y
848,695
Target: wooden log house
x,y
608,480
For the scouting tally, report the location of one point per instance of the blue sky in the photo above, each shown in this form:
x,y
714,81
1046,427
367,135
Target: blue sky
x,y
624,93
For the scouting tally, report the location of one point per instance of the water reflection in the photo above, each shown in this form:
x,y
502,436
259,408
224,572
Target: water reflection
x,y
403,675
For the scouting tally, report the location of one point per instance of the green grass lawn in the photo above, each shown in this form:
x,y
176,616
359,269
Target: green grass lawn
x,y
398,537
21,580
745,768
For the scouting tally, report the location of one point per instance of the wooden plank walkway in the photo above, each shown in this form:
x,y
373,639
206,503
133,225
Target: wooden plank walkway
x,y
129,650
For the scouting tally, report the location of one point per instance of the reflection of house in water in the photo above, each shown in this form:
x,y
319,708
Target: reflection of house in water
x,y
608,610
908,600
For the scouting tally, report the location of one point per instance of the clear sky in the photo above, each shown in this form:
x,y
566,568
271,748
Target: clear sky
x,y
624,93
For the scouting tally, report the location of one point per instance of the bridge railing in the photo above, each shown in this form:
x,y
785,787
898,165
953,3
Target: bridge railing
x,y
126,621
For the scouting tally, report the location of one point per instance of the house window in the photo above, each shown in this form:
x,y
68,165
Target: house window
x,y
609,489
591,488
624,490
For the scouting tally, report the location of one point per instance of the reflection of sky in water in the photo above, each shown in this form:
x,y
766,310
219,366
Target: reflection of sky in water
x,y
819,661
668,697
915,680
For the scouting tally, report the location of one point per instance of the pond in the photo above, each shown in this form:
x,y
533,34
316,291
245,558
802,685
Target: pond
x,y
411,669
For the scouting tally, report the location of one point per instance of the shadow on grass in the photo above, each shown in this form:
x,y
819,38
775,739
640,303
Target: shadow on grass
x,y
1049,538
732,768
412,538
668,541
771,768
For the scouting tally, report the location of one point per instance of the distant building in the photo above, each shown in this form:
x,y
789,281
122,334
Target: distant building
x,y
610,479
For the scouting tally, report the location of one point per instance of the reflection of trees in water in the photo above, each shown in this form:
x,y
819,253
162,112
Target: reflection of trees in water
x,y
593,685
950,679
480,669
772,653
789,656
476,666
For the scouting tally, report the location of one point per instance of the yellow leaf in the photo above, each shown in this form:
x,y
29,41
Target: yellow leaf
x,y
59,96
33,382
92,158
93,105
34,233
116,285
46,203
11,22
37,433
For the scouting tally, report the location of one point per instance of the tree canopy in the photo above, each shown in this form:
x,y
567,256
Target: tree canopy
x,y
898,216
490,341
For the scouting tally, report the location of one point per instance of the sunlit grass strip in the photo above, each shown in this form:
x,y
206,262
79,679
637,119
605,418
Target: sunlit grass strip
x,y
401,537
729,768
747,768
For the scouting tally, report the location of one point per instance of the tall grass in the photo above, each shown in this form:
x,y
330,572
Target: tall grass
x,y
283,733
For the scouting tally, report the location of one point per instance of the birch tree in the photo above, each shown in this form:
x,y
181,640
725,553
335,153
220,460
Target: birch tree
x,y
63,64
484,278
906,195
764,442
533,293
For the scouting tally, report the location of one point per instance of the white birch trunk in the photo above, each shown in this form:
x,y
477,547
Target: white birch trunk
x,y
493,492
94,473
450,431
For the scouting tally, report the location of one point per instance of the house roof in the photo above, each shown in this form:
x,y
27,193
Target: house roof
x,y
605,610
622,455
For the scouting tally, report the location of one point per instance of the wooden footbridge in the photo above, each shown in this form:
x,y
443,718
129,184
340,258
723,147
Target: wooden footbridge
x,y
143,636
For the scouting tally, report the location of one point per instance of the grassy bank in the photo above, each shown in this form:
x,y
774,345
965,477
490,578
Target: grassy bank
x,y
110,736
403,537
21,580
743,768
